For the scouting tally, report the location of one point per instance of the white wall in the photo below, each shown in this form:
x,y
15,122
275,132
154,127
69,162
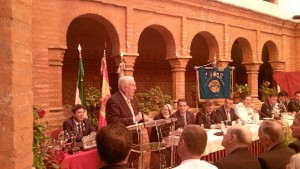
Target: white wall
x,y
285,9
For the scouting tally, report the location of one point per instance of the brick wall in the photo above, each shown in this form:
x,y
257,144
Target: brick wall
x,y
16,84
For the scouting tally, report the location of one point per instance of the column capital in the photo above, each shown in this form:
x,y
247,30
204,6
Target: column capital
x,y
179,63
56,55
129,60
252,67
223,62
277,65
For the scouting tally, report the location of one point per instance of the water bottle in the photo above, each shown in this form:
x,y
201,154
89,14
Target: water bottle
x,y
223,127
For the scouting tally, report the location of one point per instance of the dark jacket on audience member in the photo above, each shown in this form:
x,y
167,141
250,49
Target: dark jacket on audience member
x,y
295,146
221,112
276,158
202,118
293,106
239,158
180,123
265,111
163,130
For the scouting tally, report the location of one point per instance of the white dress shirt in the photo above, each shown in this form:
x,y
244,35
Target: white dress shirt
x,y
195,164
244,113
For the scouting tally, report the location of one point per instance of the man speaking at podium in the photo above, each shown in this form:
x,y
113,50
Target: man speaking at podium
x,y
121,107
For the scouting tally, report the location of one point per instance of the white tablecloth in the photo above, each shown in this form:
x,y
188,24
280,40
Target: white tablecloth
x,y
213,141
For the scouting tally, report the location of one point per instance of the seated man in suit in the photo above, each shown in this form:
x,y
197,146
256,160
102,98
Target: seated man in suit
x,y
207,116
78,123
296,133
268,106
236,141
226,112
113,145
277,154
182,115
191,145
283,97
294,104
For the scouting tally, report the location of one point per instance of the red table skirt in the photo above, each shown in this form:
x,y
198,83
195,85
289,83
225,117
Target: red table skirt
x,y
82,160
255,148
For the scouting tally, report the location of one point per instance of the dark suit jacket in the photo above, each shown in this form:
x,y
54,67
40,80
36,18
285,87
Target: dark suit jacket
x,y
295,146
222,114
117,110
293,106
240,158
266,110
180,123
202,119
276,158
163,130
69,125
115,167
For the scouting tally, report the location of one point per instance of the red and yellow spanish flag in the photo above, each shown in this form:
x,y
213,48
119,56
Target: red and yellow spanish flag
x,y
105,94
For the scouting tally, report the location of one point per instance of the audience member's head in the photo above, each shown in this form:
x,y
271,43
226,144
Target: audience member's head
x,y
228,103
78,112
236,136
272,99
192,142
246,100
283,96
294,162
182,106
296,126
270,133
113,144
297,96
126,85
209,106
166,110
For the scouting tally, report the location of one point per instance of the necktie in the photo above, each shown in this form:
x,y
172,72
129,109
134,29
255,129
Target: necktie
x,y
184,120
79,127
130,107
228,115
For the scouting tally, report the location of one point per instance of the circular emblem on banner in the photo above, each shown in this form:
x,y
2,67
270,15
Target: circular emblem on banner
x,y
214,86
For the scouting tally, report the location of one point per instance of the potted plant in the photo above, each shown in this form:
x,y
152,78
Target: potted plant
x,y
92,102
239,91
153,100
266,91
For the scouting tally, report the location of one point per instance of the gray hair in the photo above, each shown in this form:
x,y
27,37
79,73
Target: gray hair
x,y
272,129
124,81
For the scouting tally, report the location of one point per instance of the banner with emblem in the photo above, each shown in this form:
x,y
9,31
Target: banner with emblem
x,y
214,83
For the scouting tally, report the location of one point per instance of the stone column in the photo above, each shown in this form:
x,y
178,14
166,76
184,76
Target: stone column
x,y
252,77
178,66
129,60
56,115
16,95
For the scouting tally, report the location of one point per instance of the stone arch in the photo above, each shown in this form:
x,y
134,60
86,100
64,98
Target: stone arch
x,y
112,32
169,40
246,49
273,50
151,67
269,54
213,46
95,34
241,53
203,48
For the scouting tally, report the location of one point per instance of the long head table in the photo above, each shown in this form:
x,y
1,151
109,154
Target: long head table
x,y
213,141
82,160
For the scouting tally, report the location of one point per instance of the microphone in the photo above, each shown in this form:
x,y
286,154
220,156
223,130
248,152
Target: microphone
x,y
143,118
219,133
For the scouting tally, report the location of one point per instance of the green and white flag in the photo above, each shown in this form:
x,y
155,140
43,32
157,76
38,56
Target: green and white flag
x,y
80,95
